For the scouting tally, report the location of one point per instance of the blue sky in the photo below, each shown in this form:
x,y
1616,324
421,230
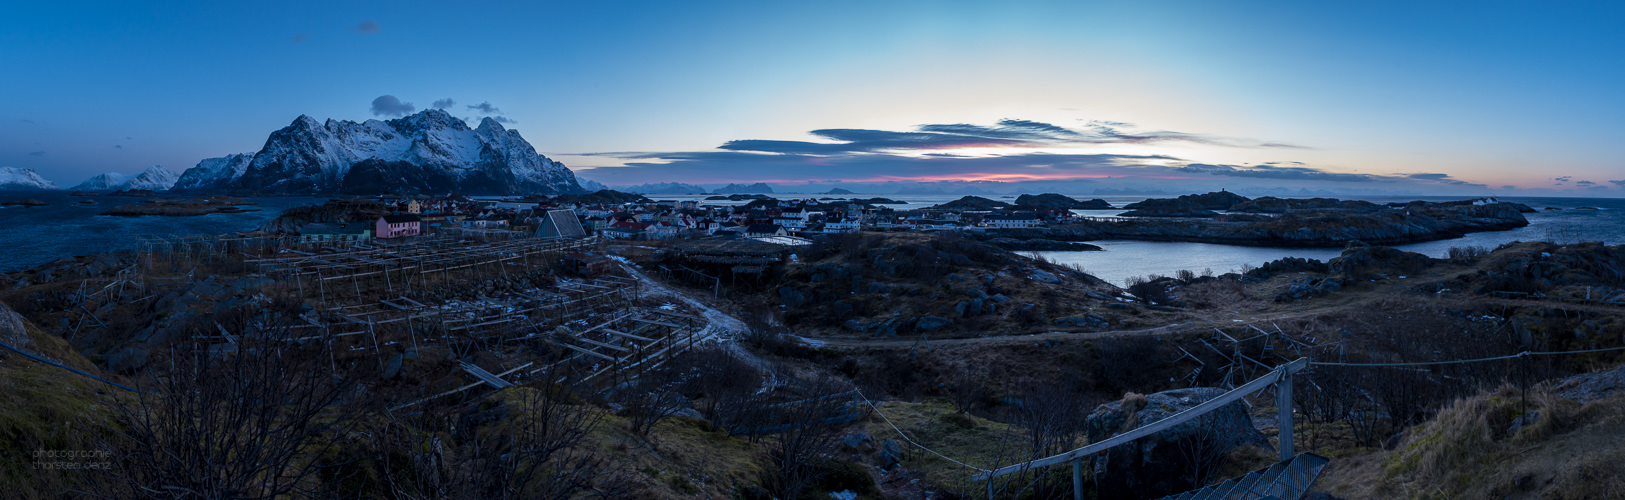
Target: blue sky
x,y
1413,97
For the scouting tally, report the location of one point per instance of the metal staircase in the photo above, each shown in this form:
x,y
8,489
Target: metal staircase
x,y
1282,481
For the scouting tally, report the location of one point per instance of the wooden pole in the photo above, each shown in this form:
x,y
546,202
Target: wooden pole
x,y
1283,413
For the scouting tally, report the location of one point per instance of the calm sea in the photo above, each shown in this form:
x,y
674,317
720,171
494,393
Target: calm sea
x,y
30,236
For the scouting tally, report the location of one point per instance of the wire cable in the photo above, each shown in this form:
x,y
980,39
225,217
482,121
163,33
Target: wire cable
x,y
1465,361
68,368
910,440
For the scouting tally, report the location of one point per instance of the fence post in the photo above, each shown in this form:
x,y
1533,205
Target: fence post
x,y
1283,406
1077,478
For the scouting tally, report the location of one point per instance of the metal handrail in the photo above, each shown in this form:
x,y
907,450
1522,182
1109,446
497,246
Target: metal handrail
x,y
1245,390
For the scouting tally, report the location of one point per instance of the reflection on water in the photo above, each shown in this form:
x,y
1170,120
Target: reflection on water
x,y
1124,259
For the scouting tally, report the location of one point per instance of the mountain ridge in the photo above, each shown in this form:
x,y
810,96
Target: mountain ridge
x,y
430,151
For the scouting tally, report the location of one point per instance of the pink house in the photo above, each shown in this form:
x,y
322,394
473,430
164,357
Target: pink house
x,y
396,226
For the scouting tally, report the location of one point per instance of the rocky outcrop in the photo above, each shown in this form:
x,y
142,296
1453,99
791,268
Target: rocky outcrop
x,y
1309,228
1187,204
13,331
1273,205
26,203
973,203
1052,201
1160,464
182,207
1360,261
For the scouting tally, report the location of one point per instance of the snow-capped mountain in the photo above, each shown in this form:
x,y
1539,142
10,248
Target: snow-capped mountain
x,y
591,185
23,178
214,173
430,151
102,182
154,178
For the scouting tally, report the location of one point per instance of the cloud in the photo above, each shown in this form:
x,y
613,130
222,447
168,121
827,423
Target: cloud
x,y
503,119
368,28
1279,173
736,166
1006,133
27,121
37,153
1442,179
388,105
444,103
1585,183
1620,183
299,38
1563,179
118,146
486,108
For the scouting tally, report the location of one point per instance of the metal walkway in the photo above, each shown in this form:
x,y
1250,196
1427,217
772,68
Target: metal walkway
x,y
1287,480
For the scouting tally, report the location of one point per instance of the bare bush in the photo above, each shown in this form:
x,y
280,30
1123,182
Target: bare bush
x,y
807,434
538,449
1467,253
251,422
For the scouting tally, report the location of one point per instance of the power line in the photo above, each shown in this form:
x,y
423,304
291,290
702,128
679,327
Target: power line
x,y
1465,361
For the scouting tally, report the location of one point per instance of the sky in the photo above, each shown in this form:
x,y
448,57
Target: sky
x,y
1511,98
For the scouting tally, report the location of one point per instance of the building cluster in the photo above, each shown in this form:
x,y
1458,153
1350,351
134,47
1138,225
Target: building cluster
x,y
660,220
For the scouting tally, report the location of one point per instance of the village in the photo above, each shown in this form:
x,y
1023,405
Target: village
x,y
787,222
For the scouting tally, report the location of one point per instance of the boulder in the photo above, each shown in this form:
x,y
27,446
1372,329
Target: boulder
x,y
127,360
858,442
1158,464
930,323
791,297
1044,276
891,454
13,331
1364,261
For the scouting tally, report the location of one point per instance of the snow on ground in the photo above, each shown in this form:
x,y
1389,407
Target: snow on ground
x,y
720,327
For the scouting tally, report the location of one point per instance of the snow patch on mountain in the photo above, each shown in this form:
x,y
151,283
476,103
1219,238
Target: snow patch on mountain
x,y
101,182
314,157
214,173
154,178
23,178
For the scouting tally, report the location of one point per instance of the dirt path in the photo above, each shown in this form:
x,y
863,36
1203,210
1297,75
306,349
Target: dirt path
x,y
1202,325
720,327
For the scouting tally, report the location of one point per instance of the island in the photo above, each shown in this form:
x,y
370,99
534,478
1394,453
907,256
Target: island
x,y
182,207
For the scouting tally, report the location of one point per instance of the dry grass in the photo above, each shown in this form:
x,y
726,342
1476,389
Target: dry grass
x,y
1576,451
47,408
975,441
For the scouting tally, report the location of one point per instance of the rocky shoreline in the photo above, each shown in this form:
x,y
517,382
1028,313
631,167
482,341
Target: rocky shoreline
x,y
1415,223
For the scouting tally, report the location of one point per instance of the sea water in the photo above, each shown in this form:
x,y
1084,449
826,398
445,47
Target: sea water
x,y
30,236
